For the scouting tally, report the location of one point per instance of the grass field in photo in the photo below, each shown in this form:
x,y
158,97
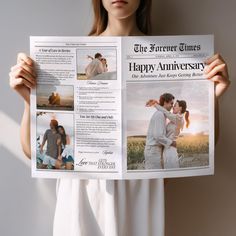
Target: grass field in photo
x,y
66,103
81,76
193,150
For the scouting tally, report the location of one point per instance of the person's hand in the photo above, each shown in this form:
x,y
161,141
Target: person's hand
x,y
58,164
216,70
41,149
151,102
59,157
174,144
23,76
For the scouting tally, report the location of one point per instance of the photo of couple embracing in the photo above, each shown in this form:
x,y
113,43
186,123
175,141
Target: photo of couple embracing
x,y
55,141
168,127
164,128
96,63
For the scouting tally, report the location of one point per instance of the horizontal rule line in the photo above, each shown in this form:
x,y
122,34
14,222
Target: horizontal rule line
x,y
77,171
160,58
170,170
74,46
73,42
166,80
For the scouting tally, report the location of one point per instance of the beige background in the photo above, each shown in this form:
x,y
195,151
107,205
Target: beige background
x,y
199,206
205,206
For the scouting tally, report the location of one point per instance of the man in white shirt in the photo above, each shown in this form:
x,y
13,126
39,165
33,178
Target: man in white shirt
x,y
156,135
95,67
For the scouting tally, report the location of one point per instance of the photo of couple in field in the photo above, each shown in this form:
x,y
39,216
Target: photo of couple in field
x,y
167,126
55,141
96,64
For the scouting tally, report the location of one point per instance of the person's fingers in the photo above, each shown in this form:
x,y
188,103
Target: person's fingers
x,y
216,71
23,57
217,79
20,77
25,67
213,58
20,72
215,63
150,103
220,69
220,80
14,82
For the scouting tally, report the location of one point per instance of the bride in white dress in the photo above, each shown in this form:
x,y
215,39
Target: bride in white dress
x,y
177,119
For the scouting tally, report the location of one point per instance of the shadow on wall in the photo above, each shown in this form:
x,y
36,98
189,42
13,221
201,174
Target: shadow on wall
x,y
24,200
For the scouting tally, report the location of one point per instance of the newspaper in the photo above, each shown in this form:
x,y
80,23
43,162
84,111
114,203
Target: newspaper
x,y
122,107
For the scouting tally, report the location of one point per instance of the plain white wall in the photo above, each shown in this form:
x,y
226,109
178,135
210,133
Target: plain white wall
x,y
194,206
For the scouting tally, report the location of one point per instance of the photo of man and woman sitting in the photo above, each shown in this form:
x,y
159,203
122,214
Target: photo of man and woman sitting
x,y
55,97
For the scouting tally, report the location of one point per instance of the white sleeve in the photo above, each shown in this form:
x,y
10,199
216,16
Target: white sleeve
x,y
175,118
100,68
159,132
64,153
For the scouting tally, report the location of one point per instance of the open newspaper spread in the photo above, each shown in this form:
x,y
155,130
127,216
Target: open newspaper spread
x,y
122,107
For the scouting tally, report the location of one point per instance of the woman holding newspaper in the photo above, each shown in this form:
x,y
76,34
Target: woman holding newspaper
x,y
108,207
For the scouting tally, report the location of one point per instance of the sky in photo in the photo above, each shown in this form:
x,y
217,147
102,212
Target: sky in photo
x,y
63,91
83,60
195,93
66,120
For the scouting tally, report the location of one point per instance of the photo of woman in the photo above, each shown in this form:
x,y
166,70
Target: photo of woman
x,y
177,119
66,157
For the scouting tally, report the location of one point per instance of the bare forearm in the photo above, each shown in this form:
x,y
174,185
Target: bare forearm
x,y
217,121
25,131
59,149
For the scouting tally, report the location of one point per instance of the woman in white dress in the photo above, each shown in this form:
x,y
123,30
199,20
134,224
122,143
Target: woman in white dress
x,y
106,207
173,129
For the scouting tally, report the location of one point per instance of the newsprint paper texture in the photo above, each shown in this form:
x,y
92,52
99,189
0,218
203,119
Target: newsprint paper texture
x,y
122,107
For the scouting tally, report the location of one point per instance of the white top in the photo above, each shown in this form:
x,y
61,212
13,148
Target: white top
x,y
109,208
156,134
106,76
94,68
175,125
68,151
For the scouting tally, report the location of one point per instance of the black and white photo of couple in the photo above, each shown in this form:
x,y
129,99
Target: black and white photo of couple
x,y
54,145
171,131
95,64
163,131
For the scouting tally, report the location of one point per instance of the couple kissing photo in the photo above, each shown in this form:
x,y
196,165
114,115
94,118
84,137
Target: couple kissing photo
x,y
94,64
167,128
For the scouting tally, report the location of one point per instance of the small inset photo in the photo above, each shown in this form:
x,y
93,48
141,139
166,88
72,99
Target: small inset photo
x,y
55,141
55,97
96,64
